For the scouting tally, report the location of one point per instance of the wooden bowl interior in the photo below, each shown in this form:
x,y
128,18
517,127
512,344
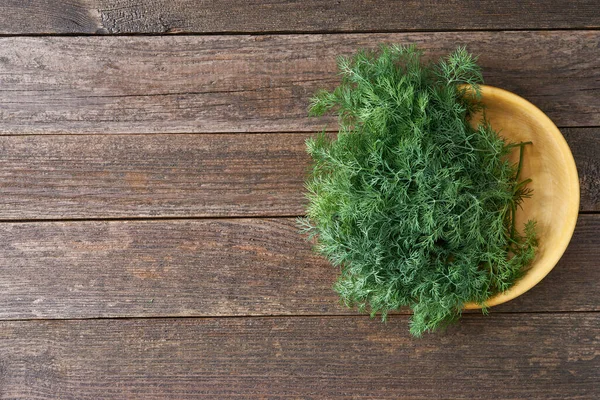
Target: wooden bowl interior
x,y
550,165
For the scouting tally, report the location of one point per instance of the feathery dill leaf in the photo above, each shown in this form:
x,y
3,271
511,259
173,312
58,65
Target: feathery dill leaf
x,y
414,205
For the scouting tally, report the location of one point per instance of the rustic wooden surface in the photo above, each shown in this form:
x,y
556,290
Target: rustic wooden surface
x,y
258,16
116,176
151,166
190,84
303,357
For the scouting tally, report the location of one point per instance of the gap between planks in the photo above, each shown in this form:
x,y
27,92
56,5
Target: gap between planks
x,y
349,315
298,32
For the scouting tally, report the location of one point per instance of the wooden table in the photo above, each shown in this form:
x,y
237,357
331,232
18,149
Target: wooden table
x,y
152,163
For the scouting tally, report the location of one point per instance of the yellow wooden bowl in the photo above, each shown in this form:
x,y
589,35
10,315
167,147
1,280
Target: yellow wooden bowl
x,y
550,165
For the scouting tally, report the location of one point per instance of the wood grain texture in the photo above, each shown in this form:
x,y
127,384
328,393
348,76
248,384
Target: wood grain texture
x,y
512,356
214,268
189,84
117,176
131,176
268,323
161,268
211,16
42,16
585,146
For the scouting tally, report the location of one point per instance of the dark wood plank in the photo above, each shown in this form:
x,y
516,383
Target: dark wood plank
x,y
161,268
214,268
210,16
42,16
130,176
522,356
585,146
116,176
191,84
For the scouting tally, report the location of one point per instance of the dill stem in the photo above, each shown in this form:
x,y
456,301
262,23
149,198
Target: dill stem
x,y
520,145
513,220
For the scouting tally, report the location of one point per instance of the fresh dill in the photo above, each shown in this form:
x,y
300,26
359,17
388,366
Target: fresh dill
x,y
413,204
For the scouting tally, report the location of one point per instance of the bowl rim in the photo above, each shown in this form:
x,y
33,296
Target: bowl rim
x,y
551,258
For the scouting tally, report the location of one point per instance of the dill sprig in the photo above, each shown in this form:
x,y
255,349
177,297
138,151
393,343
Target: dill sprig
x,y
413,204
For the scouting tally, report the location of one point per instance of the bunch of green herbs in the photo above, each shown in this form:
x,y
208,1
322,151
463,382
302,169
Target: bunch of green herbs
x,y
415,205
